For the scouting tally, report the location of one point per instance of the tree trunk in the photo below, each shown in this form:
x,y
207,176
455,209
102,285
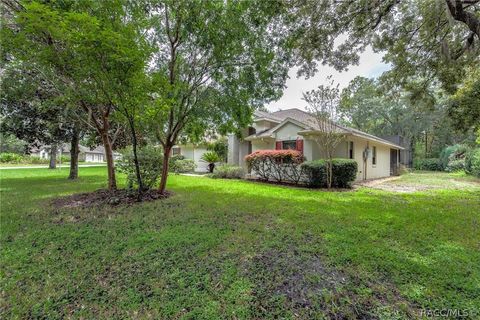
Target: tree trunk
x,y
166,157
329,173
112,182
211,167
53,156
74,152
135,158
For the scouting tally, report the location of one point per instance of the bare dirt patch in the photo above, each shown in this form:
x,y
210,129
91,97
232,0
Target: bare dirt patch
x,y
403,188
410,183
286,273
107,197
391,184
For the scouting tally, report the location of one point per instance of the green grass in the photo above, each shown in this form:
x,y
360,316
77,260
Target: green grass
x,y
237,249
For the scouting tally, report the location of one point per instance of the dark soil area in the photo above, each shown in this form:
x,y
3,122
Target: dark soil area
x,y
107,197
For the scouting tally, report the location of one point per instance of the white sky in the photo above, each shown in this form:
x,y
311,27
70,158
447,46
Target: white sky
x,y
370,65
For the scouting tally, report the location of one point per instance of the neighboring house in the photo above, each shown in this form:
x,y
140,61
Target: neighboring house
x,y
86,154
193,152
294,129
92,155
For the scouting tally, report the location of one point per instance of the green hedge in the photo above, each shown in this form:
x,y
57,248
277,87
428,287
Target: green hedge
x,y
472,162
429,164
9,157
15,158
182,166
455,165
227,171
344,173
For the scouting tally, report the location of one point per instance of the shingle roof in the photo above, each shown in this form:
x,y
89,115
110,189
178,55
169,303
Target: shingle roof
x,y
295,114
311,123
267,115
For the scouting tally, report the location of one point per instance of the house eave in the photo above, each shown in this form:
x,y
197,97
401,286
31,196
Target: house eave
x,y
256,138
266,119
307,133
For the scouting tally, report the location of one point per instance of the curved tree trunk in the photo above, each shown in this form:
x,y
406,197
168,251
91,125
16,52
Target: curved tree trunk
x,y
53,156
74,152
141,187
166,158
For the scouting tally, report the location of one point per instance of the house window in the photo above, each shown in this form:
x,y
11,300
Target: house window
x,y
289,144
350,150
374,156
175,151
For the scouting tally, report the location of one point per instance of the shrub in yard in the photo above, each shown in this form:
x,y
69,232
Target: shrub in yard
x,y
220,146
211,157
276,165
455,165
344,173
450,157
429,164
182,166
228,171
64,159
472,162
150,161
176,157
36,160
8,157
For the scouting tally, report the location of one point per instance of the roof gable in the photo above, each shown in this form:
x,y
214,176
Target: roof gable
x,y
288,120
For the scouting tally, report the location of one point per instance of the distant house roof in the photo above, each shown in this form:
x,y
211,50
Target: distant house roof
x,y
308,122
66,149
97,149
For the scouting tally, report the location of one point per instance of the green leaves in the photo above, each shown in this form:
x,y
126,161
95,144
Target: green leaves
x,y
464,107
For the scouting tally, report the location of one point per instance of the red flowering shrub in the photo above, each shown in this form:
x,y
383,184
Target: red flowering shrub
x,y
277,165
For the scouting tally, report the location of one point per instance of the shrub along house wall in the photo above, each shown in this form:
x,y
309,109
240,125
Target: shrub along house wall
x,y
344,173
276,165
289,166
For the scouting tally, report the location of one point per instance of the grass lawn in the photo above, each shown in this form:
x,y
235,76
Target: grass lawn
x,y
237,249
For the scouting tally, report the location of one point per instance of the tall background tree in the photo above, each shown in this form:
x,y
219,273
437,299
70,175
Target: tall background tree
x,y
426,42
215,63
422,119
30,109
92,48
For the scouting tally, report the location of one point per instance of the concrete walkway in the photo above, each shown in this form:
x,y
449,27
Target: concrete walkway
x,y
193,174
58,167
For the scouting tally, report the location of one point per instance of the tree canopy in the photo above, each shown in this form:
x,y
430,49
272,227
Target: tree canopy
x,y
214,63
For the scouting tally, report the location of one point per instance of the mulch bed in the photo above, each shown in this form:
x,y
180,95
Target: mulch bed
x,y
107,197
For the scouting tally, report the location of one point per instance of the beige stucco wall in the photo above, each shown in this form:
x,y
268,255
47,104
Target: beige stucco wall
x,y
381,169
288,131
267,144
195,154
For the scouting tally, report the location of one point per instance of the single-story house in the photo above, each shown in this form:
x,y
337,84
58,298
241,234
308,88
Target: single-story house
x,y
193,152
406,155
86,154
295,129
